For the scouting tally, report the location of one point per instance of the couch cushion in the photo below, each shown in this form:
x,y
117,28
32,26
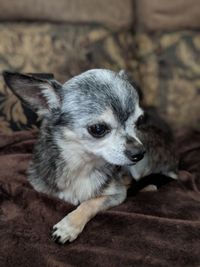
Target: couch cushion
x,y
112,13
168,15
64,50
169,73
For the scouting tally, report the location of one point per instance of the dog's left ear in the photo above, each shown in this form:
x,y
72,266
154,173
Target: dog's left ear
x,y
42,95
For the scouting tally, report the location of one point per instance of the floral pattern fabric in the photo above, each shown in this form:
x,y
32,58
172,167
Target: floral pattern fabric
x,y
64,50
166,65
169,73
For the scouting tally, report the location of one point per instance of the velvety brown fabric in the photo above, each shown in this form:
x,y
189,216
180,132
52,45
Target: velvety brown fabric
x,y
111,13
168,15
150,229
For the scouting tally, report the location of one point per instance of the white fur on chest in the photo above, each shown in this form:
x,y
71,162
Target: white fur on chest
x,y
81,179
78,188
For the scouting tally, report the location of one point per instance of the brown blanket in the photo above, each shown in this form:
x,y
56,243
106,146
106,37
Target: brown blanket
x,y
150,229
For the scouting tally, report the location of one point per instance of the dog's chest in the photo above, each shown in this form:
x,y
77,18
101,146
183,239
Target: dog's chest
x,y
78,186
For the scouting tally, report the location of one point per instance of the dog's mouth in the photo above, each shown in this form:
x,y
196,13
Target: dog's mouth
x,y
131,164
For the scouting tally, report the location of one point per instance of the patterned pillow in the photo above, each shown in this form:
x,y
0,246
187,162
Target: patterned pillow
x,y
169,72
65,50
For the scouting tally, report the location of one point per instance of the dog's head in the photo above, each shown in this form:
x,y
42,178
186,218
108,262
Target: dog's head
x,y
95,113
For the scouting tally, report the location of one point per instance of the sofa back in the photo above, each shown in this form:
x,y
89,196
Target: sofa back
x,y
158,42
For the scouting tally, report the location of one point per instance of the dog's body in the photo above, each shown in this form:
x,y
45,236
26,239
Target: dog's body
x,y
90,125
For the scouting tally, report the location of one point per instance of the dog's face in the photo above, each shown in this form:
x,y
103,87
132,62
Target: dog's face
x,y
93,114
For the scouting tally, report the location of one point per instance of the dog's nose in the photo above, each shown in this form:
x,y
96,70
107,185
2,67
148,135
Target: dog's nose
x,y
135,154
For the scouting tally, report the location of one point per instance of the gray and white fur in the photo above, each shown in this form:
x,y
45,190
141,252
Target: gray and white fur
x,y
90,124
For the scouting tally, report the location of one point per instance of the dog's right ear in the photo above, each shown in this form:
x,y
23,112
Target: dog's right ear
x,y
126,76
41,95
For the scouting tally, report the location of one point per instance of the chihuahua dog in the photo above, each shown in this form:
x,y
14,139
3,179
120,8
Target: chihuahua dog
x,y
90,124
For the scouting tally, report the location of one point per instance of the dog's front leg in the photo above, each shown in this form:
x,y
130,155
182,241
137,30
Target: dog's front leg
x,y
72,225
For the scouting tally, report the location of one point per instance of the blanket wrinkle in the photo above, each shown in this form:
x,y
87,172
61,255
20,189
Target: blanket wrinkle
x,y
150,229
153,217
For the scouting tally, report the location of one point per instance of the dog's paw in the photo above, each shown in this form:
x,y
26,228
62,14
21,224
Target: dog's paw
x,y
150,188
65,231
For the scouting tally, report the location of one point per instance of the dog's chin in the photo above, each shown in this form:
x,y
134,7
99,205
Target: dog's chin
x,y
106,158
119,162
131,164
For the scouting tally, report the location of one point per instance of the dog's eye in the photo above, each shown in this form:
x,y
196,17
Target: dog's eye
x,y
140,121
98,130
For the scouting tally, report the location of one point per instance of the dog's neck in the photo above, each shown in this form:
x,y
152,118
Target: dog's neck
x,y
77,160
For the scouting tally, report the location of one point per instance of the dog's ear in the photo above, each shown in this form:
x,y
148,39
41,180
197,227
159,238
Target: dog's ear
x,y
126,76
42,95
